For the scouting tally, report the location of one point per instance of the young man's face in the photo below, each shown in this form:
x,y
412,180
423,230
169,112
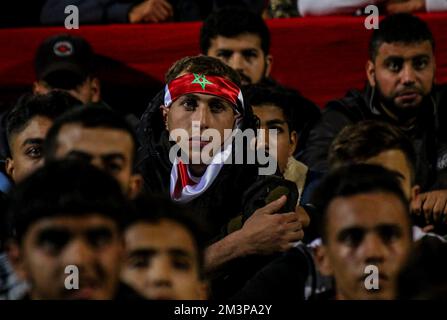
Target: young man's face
x,y
403,73
362,230
272,117
244,54
162,262
92,243
395,160
26,148
108,149
208,112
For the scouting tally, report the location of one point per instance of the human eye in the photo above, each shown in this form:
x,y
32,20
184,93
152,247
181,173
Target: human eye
x,y
394,65
352,237
53,241
190,104
420,63
34,152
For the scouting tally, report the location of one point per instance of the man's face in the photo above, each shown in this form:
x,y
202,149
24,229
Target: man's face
x,y
207,112
162,262
108,149
92,243
362,230
26,148
395,160
244,54
403,73
272,117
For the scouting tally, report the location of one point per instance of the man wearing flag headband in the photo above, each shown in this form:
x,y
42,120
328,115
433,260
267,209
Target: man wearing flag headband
x,y
203,93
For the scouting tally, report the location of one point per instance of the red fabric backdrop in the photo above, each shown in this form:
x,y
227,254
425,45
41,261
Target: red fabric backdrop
x,y
321,57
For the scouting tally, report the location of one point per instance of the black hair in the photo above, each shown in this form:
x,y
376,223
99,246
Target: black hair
x,y
298,112
401,28
87,117
64,188
50,105
353,180
366,139
231,22
154,209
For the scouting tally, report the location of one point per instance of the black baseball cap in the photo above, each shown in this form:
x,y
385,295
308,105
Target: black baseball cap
x,y
64,55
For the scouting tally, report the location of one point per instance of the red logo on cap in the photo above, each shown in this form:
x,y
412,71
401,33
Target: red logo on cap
x,y
63,48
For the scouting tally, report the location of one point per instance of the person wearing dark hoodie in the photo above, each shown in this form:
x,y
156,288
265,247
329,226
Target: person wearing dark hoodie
x,y
401,91
203,93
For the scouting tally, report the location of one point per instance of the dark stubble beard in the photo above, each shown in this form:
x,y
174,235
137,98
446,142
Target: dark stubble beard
x,y
402,114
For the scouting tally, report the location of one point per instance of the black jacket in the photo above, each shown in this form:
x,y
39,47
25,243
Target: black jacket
x,y
428,136
217,206
221,202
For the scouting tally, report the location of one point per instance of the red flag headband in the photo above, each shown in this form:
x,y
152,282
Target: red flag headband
x,y
206,84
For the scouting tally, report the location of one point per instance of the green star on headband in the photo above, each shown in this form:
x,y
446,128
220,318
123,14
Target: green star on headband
x,y
201,79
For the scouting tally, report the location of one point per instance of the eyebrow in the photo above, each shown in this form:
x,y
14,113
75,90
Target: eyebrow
x,y
276,121
88,156
148,252
32,141
378,227
419,56
113,156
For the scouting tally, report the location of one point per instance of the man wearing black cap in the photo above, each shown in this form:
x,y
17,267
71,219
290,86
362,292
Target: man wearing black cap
x,y
66,62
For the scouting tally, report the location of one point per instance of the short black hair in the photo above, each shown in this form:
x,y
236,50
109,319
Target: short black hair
x,y
88,116
231,22
401,28
29,105
366,139
298,111
353,180
154,209
64,188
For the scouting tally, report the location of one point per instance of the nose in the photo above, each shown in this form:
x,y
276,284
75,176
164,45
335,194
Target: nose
x,y
373,249
263,139
79,253
97,162
202,115
408,76
237,62
159,273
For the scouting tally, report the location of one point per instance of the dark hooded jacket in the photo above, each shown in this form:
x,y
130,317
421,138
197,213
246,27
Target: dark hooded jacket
x,y
221,201
224,200
428,135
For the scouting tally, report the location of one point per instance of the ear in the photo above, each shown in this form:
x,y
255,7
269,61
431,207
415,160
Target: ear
x,y
371,73
322,261
95,87
165,112
415,191
40,87
135,185
268,64
293,143
15,257
9,167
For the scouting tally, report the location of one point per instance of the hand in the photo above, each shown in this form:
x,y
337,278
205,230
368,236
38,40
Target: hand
x,y
267,232
404,6
432,204
151,11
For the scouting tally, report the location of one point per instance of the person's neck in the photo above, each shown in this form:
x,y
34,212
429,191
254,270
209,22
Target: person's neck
x,y
404,124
